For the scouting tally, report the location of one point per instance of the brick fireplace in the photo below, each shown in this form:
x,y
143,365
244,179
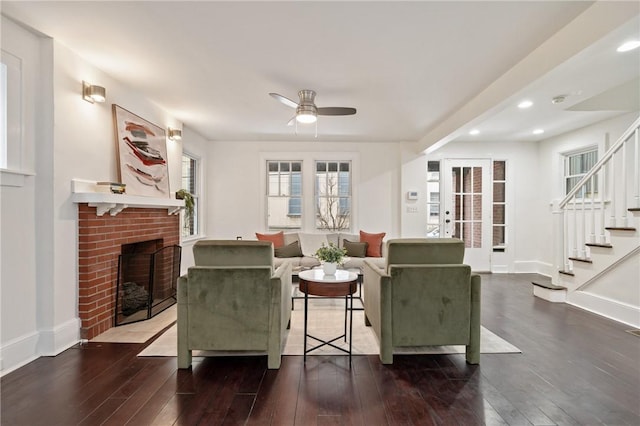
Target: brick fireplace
x,y
100,238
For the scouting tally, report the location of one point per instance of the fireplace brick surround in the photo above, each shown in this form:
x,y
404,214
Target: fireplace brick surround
x,y
99,244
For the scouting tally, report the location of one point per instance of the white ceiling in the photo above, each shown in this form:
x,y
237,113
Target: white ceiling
x,y
415,71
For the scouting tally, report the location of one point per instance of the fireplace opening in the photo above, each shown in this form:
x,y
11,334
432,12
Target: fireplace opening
x,y
147,275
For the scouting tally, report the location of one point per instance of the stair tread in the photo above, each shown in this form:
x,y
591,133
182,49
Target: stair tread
x,y
598,245
567,273
581,259
619,228
634,209
548,285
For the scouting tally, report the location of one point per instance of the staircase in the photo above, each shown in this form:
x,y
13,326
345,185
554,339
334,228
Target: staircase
x,y
597,237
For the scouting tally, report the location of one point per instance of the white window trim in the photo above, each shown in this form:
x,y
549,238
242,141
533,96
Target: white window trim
x,y
308,178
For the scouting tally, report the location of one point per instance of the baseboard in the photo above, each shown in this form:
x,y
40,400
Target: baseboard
x,y
18,352
22,350
532,267
60,338
499,269
608,308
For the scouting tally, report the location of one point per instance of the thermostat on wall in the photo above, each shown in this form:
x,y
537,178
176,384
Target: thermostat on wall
x,y
412,195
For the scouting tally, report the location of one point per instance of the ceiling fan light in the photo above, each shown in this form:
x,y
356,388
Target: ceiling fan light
x,y
306,118
306,114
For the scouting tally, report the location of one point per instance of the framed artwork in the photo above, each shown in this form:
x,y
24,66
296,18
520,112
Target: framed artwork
x,y
142,155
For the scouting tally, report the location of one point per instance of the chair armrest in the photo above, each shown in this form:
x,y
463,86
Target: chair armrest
x,y
377,306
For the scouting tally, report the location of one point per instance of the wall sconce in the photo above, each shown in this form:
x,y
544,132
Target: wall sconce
x,y
91,93
175,134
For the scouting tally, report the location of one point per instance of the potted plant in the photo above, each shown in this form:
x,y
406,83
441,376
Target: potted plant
x,y
189,203
330,256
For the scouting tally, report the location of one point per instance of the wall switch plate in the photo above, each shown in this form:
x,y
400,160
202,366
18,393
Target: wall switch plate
x,y
412,209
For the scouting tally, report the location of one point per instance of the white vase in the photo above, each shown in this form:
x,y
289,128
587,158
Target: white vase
x,y
329,268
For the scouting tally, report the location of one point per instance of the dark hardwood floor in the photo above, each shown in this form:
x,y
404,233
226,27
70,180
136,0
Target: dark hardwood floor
x,y
575,368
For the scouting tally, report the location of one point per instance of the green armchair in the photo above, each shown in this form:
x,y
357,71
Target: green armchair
x,y
233,300
424,296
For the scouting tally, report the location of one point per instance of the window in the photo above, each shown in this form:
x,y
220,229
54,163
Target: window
x,y
284,194
576,166
190,224
433,198
333,195
499,205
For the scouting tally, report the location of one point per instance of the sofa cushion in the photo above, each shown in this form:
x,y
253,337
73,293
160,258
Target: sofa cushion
x,y
277,239
375,243
356,249
290,250
310,243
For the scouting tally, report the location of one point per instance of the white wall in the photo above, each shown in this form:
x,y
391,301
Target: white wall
x,y
522,211
235,196
73,139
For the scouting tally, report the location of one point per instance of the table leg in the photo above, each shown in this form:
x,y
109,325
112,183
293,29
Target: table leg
x,y
346,306
306,306
350,328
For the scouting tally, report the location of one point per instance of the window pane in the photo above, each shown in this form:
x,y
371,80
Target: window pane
x,y
333,195
498,192
284,195
273,166
433,166
284,167
498,214
498,236
296,167
190,223
499,170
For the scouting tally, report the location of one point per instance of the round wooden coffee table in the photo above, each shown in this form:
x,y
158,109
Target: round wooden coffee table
x,y
314,282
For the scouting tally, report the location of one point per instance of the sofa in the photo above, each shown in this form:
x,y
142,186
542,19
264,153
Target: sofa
x,y
298,248
233,300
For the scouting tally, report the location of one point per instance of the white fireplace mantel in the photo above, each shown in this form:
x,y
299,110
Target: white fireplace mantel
x,y
114,203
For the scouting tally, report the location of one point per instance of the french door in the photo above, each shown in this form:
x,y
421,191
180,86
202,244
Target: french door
x,y
466,208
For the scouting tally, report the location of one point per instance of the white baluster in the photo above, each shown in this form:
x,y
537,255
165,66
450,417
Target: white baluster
x,y
592,237
603,195
637,167
575,227
612,191
625,180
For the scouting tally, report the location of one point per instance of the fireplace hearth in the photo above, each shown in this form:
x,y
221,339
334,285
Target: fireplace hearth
x,y
146,280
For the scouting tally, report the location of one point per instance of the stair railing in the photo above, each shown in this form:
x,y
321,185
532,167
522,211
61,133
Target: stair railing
x,y
586,223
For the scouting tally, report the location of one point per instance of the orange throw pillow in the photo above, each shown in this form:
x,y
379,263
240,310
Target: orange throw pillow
x,y
277,239
374,249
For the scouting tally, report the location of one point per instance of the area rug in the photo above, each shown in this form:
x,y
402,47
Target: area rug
x,y
326,323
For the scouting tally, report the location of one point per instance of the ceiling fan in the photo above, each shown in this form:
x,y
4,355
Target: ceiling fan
x,y
306,110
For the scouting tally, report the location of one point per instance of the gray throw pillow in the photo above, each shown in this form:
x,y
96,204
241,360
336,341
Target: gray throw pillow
x,y
355,249
290,250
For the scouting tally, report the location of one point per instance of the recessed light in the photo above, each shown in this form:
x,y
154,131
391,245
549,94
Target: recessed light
x,y
538,131
474,132
525,104
629,45
558,99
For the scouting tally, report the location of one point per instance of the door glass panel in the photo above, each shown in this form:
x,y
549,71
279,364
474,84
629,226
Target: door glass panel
x,y
467,205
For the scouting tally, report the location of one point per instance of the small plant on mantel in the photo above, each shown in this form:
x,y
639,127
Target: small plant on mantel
x,y
331,253
189,203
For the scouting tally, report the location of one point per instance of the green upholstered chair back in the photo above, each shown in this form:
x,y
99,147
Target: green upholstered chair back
x,y
424,251
233,253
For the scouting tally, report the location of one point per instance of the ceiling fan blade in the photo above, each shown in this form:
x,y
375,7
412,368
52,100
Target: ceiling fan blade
x,y
288,102
292,121
336,111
